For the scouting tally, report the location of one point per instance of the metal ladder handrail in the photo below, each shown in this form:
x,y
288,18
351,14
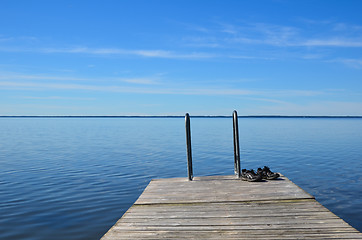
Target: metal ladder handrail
x,y
236,145
188,145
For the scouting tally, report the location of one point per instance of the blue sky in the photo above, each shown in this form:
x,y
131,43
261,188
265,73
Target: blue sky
x,y
172,57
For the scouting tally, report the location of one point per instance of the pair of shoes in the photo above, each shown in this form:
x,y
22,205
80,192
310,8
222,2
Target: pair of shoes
x,y
265,173
262,173
250,176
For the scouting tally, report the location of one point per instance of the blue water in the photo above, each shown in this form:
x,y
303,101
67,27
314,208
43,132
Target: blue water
x,y
73,178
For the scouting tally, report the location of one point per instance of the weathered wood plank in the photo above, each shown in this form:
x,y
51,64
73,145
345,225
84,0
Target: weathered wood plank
x,y
223,207
227,234
218,189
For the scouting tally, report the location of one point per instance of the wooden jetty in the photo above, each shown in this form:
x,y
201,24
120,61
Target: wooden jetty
x,y
224,207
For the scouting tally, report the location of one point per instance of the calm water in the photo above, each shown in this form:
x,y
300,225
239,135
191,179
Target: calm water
x,y
73,178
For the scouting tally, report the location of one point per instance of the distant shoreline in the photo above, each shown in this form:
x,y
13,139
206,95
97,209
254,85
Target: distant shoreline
x,y
247,116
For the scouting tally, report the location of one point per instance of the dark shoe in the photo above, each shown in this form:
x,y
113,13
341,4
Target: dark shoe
x,y
250,176
265,173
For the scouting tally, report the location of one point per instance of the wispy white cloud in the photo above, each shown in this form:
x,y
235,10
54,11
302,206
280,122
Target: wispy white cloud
x,y
122,89
202,42
226,35
235,41
350,62
312,56
229,28
54,98
170,54
275,34
5,39
332,42
310,21
39,77
251,57
114,51
156,84
335,35
289,93
288,37
11,77
270,100
145,81
16,39
347,28
211,91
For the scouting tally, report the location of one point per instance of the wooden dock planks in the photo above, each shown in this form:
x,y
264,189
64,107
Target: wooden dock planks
x,y
224,207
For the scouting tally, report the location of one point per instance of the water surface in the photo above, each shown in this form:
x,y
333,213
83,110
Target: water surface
x,y
73,178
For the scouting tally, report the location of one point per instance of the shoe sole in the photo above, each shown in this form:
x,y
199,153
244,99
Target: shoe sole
x,y
251,180
272,178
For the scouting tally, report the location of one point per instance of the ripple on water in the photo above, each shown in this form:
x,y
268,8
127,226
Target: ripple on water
x,y
73,178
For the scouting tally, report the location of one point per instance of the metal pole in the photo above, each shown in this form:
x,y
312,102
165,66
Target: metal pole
x,y
188,145
236,144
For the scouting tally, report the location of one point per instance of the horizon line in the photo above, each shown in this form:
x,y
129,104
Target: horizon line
x,y
180,116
